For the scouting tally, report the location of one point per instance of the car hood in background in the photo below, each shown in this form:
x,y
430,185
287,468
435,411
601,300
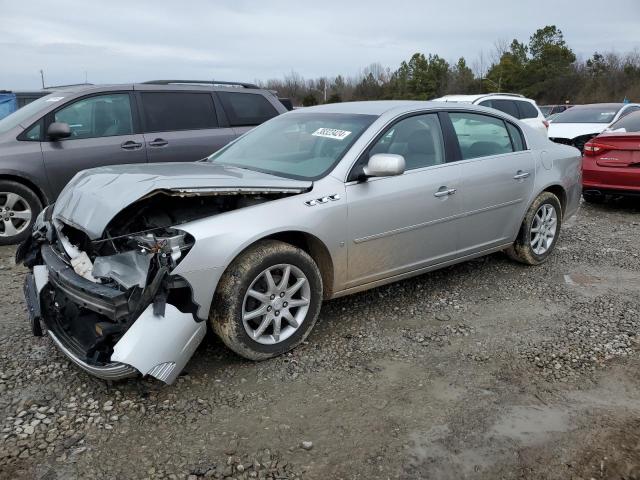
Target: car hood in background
x,y
93,197
573,130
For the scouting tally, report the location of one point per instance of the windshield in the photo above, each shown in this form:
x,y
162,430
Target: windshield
x,y
23,114
297,145
599,114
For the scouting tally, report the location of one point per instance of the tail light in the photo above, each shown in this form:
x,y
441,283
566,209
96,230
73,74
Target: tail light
x,y
594,148
545,123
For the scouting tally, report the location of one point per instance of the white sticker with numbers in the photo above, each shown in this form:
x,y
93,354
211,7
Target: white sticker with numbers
x,y
331,133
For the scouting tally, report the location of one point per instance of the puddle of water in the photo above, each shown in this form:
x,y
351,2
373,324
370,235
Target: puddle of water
x,y
531,425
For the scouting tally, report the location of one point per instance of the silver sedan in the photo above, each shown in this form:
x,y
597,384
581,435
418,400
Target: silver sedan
x,y
133,263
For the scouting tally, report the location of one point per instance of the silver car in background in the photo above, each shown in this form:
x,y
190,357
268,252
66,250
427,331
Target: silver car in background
x,y
132,263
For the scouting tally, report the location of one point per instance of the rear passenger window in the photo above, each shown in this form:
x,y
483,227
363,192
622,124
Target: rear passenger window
x,y
246,109
170,111
506,106
516,137
480,135
527,110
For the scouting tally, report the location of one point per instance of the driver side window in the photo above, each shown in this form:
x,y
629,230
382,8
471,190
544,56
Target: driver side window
x,y
418,139
99,116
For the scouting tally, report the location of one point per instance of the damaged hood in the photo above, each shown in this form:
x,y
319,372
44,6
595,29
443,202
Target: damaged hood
x,y
93,197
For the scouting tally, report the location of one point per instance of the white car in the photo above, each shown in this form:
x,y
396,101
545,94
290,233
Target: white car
x,y
518,106
581,123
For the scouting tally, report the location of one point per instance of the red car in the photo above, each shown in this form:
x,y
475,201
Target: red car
x,y
611,161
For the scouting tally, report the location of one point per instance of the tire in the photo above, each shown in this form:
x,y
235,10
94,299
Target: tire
x,y
522,249
232,300
15,200
594,199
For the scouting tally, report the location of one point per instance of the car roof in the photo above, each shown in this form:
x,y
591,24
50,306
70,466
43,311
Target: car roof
x,y
375,107
603,105
157,85
473,98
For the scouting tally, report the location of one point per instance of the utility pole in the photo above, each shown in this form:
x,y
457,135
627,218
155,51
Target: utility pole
x,y
42,78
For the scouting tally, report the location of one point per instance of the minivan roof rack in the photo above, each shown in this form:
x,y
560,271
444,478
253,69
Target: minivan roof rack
x,y
200,82
69,85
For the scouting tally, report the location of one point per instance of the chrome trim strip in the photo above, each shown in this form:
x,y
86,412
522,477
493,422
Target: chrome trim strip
x,y
433,222
111,371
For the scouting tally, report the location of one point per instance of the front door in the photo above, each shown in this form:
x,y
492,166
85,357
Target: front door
x,y
102,133
403,223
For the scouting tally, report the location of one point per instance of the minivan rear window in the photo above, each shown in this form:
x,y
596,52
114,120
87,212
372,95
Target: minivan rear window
x,y
172,111
246,109
526,110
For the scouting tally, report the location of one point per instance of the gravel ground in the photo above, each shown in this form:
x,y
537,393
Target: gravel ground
x,y
488,369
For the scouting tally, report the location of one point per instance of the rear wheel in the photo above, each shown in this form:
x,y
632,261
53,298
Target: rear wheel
x,y
539,231
19,206
267,301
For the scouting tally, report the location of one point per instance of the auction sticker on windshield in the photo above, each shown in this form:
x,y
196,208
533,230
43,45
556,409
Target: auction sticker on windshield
x,y
331,133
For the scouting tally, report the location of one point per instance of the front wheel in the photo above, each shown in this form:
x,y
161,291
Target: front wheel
x,y
267,301
539,231
19,207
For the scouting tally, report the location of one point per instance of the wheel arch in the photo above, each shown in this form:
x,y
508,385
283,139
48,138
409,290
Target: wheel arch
x,y
561,193
316,249
42,196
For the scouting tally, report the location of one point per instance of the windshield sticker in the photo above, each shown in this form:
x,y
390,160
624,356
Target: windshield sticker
x,y
331,133
54,99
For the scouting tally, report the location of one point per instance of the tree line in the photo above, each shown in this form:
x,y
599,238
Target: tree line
x,y
545,69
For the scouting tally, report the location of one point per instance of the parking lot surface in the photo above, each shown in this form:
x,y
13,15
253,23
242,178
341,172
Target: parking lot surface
x,y
488,369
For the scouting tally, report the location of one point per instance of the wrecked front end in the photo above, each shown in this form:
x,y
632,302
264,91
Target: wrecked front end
x,y
111,305
104,289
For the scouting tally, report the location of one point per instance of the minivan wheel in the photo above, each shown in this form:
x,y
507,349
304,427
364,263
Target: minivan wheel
x,y
267,301
539,231
19,207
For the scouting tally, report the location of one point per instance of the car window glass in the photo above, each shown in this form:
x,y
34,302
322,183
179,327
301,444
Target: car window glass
x,y
526,109
418,139
297,145
246,109
630,123
480,135
33,134
506,106
99,116
516,137
486,103
628,111
172,111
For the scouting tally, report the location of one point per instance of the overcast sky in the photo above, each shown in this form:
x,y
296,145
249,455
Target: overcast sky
x,y
134,40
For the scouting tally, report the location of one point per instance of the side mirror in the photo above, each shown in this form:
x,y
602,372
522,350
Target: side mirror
x,y
58,130
385,165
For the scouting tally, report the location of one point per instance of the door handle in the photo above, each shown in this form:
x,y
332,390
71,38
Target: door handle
x,y
444,191
130,145
520,175
159,142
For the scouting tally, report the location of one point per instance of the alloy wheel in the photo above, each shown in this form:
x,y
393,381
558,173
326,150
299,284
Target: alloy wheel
x,y
276,304
15,214
543,229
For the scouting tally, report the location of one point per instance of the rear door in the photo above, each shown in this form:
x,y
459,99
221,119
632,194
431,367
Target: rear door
x,y
246,110
103,130
181,126
498,176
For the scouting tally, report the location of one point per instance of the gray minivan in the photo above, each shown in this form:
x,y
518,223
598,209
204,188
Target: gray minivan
x,y
44,144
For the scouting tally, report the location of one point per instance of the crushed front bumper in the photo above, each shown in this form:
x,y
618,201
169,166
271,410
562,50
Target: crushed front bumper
x,y
71,309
